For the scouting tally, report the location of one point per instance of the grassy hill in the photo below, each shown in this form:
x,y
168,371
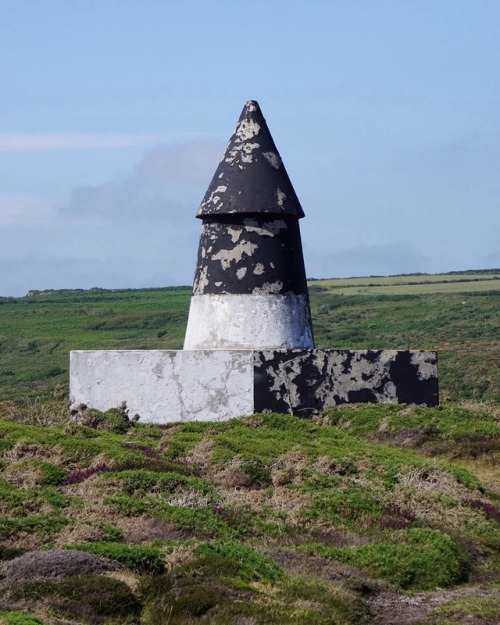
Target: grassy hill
x,y
376,514
455,314
261,520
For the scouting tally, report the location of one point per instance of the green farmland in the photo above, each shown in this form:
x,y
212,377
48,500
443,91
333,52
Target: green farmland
x,y
471,282
455,314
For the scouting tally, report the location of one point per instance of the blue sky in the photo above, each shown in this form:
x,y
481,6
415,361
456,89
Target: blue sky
x,y
114,114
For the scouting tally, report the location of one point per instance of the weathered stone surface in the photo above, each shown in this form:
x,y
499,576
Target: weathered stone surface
x,y
213,385
165,386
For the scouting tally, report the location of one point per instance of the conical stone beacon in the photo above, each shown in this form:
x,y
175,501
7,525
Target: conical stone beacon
x,y
250,289
249,342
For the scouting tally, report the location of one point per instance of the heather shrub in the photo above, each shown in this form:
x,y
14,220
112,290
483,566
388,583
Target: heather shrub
x,y
88,598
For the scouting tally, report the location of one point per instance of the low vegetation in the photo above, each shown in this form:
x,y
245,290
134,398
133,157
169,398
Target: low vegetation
x,y
376,514
266,518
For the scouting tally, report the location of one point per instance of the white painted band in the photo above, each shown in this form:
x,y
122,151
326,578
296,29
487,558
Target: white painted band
x,y
249,322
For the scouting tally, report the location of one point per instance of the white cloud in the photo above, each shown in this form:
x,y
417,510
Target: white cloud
x,y
190,163
167,186
136,231
32,142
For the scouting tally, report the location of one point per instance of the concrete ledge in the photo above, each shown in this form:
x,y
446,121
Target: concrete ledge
x,y
214,385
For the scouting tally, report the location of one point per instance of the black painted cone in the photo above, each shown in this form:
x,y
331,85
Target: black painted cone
x,y
250,289
251,177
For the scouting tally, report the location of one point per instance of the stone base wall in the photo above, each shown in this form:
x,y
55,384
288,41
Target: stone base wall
x,y
214,385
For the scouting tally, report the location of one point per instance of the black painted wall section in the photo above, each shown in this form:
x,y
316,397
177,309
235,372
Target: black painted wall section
x,y
303,382
250,254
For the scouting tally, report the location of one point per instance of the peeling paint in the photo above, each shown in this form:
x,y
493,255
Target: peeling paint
x,y
281,197
269,288
303,382
228,243
202,281
267,229
234,233
273,159
247,129
425,364
234,255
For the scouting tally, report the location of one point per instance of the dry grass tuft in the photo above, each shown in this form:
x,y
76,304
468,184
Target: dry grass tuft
x,y
425,505
251,500
23,451
286,503
326,465
481,406
289,468
80,533
289,503
201,455
22,475
233,475
140,530
433,480
129,578
91,508
188,498
25,541
179,556
36,411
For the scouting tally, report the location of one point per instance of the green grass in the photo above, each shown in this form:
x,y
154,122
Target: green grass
x,y
455,314
412,284
19,618
420,559
139,558
37,332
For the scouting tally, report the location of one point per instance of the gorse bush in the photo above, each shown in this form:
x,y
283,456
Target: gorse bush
x,y
253,564
415,558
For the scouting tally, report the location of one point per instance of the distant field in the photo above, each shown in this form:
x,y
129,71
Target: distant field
x,y
411,285
455,314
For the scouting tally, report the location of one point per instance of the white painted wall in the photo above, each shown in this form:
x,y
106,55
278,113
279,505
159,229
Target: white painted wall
x,y
249,322
165,386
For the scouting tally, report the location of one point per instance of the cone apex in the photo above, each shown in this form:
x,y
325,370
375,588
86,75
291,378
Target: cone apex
x,y
251,177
